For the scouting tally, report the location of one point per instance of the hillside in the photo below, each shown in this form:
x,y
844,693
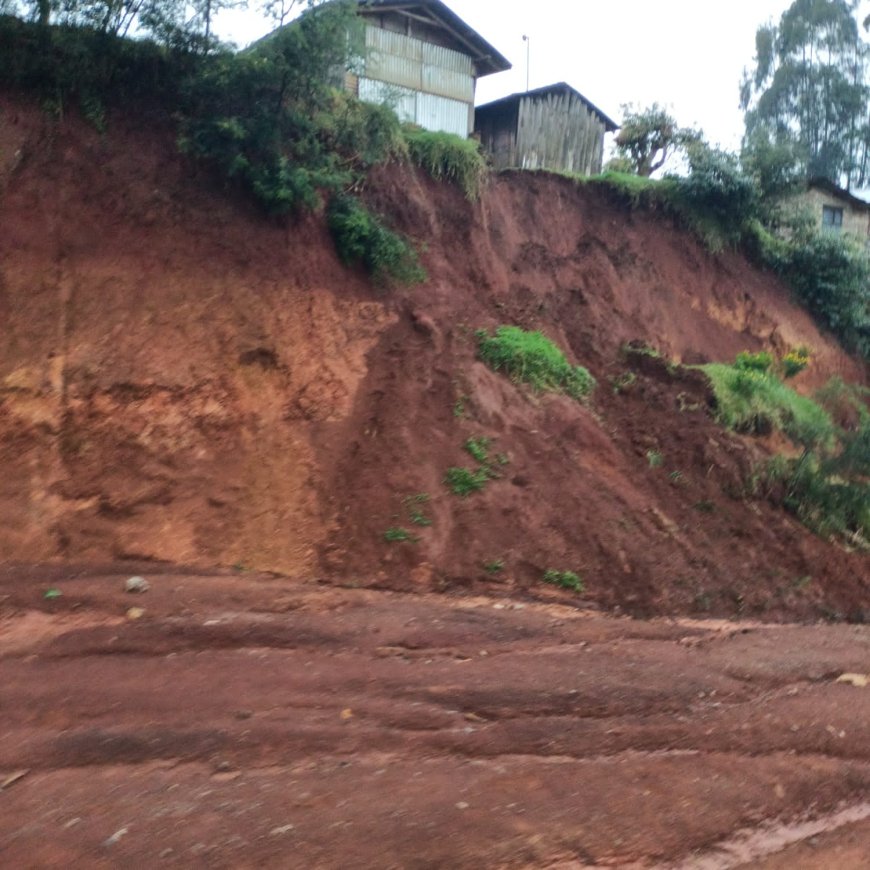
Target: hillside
x,y
186,381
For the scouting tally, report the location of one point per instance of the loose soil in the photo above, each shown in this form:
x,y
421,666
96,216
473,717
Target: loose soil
x,y
183,383
245,721
183,380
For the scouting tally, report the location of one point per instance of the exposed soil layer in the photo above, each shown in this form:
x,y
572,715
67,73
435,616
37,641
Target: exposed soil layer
x,y
248,721
183,380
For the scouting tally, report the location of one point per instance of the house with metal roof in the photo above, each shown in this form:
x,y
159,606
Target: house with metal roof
x,y
835,210
554,127
423,61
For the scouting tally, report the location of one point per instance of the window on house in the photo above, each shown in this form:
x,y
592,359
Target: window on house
x,y
832,218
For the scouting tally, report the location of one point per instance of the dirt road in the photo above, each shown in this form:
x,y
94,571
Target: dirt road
x,y
245,721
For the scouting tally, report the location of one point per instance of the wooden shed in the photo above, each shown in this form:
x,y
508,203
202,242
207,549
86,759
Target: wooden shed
x,y
554,127
424,61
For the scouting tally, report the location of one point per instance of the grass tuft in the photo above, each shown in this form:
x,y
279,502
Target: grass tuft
x,y
531,358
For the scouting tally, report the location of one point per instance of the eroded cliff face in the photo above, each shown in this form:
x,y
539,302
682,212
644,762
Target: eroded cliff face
x,y
183,380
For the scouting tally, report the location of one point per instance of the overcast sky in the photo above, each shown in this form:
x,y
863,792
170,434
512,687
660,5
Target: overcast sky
x,y
685,54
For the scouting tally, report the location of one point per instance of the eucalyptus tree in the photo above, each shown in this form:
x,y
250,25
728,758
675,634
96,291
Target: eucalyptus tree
x,y
808,90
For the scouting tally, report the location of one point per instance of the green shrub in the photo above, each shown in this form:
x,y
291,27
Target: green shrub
x,y
361,237
448,158
749,400
755,362
830,491
564,580
531,358
795,361
463,481
364,134
830,274
716,197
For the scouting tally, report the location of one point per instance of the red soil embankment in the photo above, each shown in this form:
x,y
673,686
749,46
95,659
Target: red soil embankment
x,y
184,380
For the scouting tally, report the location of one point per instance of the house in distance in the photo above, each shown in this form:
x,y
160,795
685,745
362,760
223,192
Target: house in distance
x,y
554,127
423,61
835,210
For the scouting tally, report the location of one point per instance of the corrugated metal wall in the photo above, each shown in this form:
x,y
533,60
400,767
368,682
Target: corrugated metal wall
x,y
427,84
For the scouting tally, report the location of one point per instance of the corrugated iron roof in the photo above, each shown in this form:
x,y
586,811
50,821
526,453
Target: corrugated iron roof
x,y
828,186
487,59
558,88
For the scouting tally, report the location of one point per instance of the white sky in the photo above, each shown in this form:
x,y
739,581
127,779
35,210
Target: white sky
x,y
688,55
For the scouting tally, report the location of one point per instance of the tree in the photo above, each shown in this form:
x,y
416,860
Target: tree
x,y
808,89
648,138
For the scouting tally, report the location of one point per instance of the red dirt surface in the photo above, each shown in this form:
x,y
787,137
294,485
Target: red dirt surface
x,y
183,380
247,721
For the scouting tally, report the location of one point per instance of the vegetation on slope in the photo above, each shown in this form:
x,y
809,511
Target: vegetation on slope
x,y
531,358
828,485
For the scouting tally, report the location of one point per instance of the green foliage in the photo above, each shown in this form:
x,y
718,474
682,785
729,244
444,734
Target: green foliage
x,y
636,191
654,458
776,163
415,503
361,237
830,492
479,449
266,118
465,481
716,196
647,138
795,361
398,535
749,400
830,274
809,89
70,67
564,580
494,567
754,362
361,134
531,358
448,158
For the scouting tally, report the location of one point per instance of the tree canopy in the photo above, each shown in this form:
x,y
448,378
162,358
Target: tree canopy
x,y
648,138
808,91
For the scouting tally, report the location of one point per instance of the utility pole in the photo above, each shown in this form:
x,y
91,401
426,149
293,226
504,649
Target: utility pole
x,y
528,43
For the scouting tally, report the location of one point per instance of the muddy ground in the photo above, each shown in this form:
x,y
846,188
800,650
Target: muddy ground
x,y
246,721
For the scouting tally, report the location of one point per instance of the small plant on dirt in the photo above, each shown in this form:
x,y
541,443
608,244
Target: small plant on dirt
x,y
414,504
459,407
531,358
398,535
677,477
479,449
51,594
463,481
494,567
564,580
654,458
705,506
795,361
